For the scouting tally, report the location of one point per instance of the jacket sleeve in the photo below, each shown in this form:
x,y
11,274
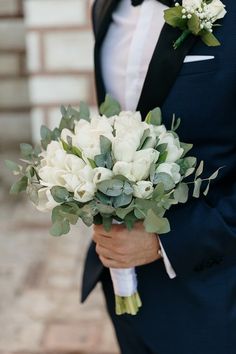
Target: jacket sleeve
x,y
201,235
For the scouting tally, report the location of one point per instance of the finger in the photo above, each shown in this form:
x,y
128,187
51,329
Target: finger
x,y
110,254
111,263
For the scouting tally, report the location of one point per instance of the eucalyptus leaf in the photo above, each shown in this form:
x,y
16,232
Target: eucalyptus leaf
x,y
155,224
60,194
12,166
199,169
84,112
107,223
130,220
105,144
165,179
26,150
197,187
110,107
19,186
175,123
154,117
186,147
60,228
112,188
144,138
181,193
122,200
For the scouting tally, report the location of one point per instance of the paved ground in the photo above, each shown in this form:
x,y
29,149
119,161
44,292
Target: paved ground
x,y
40,280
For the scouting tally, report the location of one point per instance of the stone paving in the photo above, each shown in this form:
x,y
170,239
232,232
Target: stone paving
x,y
40,279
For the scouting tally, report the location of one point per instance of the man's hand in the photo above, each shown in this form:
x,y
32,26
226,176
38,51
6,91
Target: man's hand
x,y
120,248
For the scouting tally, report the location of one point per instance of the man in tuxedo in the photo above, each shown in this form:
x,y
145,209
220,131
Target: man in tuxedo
x,y
187,278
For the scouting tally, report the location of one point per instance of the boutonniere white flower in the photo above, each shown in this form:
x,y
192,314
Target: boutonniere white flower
x,y
196,17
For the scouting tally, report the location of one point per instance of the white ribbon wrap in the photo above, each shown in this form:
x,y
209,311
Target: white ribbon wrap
x,y
124,280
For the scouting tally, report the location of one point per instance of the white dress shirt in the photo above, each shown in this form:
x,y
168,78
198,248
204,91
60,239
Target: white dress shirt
x,y
125,56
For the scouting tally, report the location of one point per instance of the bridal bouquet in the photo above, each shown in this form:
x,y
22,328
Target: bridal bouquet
x,y
109,168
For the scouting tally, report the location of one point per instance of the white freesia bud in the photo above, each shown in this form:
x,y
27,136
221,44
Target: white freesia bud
x,y
102,174
216,10
171,169
173,147
143,189
142,163
45,200
51,176
85,192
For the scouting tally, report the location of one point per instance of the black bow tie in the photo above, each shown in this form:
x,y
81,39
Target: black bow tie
x,y
165,2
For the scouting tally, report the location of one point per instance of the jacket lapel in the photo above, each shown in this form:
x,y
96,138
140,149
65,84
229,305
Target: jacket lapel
x,y
163,69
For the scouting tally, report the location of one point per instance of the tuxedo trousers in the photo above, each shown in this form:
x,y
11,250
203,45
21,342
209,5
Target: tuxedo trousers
x,y
195,314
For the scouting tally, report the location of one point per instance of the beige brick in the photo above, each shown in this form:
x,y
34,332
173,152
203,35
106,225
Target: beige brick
x,y
69,50
14,93
8,7
12,34
33,51
9,64
14,128
58,89
49,13
37,119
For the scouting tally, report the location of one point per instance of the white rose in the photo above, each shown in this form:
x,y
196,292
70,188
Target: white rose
x,y
54,156
51,176
143,189
216,10
125,148
85,192
45,201
191,5
142,163
171,169
173,147
125,169
102,174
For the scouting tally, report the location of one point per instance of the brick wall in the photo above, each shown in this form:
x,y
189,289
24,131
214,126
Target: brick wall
x,y
14,98
59,56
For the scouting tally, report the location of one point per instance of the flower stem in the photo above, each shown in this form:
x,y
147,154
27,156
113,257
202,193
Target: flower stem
x,y
182,38
129,305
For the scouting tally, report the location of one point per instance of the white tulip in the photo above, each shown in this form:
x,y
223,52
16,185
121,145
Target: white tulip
x,y
143,189
85,192
71,182
171,169
51,176
124,149
102,174
142,163
54,156
45,200
87,135
86,174
129,123
74,164
125,169
173,146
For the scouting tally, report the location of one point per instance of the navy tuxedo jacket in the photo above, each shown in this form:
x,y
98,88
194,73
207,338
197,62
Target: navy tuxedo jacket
x,y
198,308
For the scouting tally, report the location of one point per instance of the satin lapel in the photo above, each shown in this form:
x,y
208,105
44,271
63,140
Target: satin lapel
x,y
163,69
102,15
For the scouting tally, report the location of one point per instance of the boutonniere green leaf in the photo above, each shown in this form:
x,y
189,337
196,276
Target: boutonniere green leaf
x,y
197,17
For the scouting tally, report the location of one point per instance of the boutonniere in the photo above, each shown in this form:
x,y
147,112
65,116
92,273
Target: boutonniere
x,y
197,17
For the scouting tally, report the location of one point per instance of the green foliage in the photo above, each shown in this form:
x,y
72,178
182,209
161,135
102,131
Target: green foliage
x,y
71,149
110,107
13,167
60,194
173,17
165,179
19,186
175,123
155,223
181,193
84,112
194,24
144,139
154,117
60,227
105,144
209,39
